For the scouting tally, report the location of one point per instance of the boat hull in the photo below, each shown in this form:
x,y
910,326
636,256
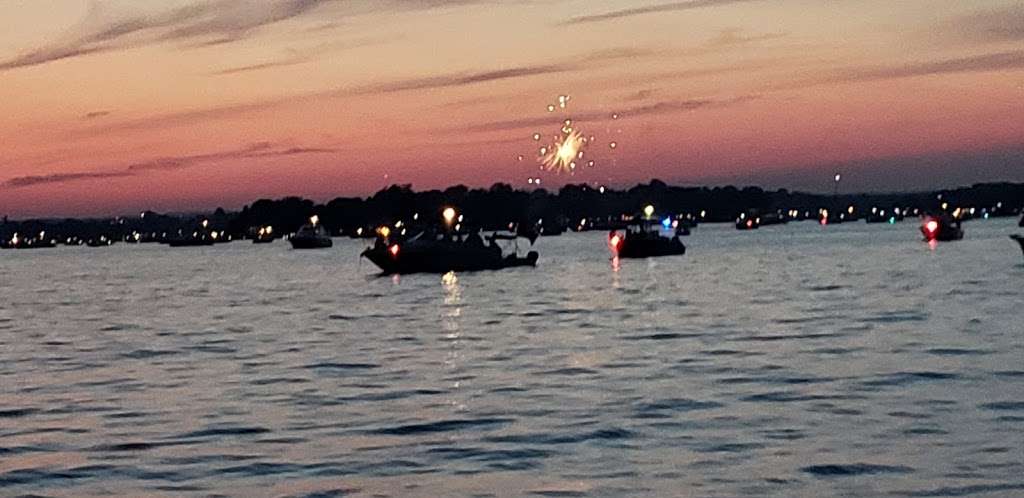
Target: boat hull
x,y
945,234
311,243
1020,240
636,249
442,258
190,243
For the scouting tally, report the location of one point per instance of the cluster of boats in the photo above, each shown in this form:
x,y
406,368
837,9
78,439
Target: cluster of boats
x,y
432,249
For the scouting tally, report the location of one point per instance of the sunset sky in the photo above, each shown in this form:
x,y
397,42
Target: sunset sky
x,y
110,107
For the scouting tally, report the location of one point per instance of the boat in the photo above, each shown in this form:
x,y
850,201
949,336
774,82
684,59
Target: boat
x,y
748,222
311,236
643,239
1020,240
1021,222
428,253
195,240
941,228
265,235
102,241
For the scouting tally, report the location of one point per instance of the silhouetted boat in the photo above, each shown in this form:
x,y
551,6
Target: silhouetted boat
x,y
941,228
426,254
1020,240
199,240
643,239
311,236
748,222
265,235
1021,222
100,242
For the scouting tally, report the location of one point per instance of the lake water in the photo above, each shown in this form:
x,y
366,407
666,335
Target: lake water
x,y
791,361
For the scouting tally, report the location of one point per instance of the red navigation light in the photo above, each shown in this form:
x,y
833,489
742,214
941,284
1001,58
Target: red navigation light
x,y
394,250
932,226
750,223
615,241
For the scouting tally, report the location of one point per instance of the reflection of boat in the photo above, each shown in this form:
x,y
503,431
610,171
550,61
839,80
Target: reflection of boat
x,y
643,239
1020,240
427,254
941,228
311,236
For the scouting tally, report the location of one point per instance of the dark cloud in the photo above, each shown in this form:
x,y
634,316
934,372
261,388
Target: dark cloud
x,y
640,95
256,150
204,23
732,37
664,107
308,54
458,80
976,63
453,80
992,25
33,180
261,66
651,9
207,22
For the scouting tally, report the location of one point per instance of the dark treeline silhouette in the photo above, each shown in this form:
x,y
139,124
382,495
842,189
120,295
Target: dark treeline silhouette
x,y
498,206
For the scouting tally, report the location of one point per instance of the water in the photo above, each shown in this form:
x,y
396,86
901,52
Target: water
x,y
792,361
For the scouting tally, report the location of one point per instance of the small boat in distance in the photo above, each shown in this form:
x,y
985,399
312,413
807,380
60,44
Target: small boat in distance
x,y
643,239
941,229
102,241
311,236
194,240
748,221
264,235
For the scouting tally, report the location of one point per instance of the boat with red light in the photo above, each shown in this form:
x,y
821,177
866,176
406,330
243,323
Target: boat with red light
x,y
447,250
941,229
425,255
643,238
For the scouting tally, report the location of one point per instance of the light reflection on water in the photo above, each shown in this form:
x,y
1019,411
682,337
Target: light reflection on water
x,y
792,361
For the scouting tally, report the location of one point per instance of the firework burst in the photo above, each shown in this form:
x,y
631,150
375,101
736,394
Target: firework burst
x,y
567,149
561,156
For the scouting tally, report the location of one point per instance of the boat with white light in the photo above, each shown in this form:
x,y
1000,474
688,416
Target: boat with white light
x,y
264,235
312,235
430,251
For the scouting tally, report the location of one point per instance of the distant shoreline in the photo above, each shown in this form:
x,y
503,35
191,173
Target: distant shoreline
x,y
496,207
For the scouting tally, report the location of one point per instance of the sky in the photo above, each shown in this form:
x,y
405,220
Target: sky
x,y
112,107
